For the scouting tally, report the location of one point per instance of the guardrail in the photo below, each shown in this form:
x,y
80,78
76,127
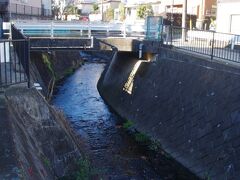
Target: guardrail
x,y
80,29
14,62
213,44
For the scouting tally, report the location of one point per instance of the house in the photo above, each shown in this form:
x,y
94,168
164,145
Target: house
x,y
106,4
201,9
131,7
228,16
85,6
25,9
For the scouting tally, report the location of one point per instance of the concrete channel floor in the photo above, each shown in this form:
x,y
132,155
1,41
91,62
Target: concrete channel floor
x,y
8,158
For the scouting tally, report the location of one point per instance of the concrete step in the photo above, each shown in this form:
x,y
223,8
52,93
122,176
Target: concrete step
x,y
8,158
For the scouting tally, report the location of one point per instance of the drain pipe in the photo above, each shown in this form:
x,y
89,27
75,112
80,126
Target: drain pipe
x,y
140,48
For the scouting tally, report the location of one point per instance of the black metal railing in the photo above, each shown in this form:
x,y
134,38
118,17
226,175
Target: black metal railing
x,y
29,10
14,60
210,43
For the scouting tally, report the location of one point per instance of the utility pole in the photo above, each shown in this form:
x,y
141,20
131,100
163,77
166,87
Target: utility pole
x,y
184,16
172,19
102,9
10,10
1,28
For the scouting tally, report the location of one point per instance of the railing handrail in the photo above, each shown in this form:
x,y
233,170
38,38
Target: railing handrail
x,y
205,31
25,57
214,44
50,28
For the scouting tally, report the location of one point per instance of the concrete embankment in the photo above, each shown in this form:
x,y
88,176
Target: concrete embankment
x,y
37,142
43,141
189,104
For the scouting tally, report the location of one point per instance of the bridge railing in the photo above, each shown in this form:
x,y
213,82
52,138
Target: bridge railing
x,y
80,29
213,44
14,60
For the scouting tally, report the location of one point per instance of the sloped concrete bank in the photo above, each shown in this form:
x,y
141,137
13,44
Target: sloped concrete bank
x,y
189,104
44,145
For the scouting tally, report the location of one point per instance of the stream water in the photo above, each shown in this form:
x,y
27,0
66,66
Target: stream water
x,y
110,149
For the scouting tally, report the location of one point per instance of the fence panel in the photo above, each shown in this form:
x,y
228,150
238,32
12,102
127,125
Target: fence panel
x,y
14,60
213,44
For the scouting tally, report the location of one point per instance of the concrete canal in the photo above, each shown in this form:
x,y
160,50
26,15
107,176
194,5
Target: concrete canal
x,y
113,153
109,149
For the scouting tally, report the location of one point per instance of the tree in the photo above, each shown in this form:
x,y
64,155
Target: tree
x,y
109,14
70,9
59,7
95,8
144,10
122,12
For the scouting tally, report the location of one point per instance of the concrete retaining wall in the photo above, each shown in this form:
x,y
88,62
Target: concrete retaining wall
x,y
189,104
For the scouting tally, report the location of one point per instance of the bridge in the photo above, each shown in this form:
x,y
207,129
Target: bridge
x,y
46,35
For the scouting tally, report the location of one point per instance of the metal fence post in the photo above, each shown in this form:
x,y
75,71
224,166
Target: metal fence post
x,y
28,62
1,28
89,30
52,31
212,50
124,30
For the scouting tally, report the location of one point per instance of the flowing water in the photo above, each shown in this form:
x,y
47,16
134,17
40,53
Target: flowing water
x,y
110,149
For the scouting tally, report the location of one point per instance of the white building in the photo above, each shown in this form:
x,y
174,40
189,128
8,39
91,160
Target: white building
x,y
228,16
106,4
85,6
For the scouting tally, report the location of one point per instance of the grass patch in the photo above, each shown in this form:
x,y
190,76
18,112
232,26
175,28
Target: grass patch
x,y
141,138
154,145
83,171
69,71
46,162
128,124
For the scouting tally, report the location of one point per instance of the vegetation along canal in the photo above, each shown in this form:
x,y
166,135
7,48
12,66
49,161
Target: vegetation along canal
x,y
113,153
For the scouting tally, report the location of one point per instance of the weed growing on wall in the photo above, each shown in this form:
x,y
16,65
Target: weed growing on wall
x,y
128,124
84,169
141,138
48,63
